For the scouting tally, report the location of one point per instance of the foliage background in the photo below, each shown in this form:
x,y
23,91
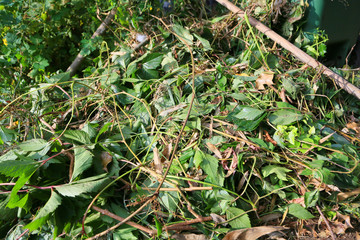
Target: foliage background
x,y
264,136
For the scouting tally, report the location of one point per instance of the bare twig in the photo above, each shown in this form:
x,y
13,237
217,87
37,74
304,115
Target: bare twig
x,y
116,217
307,59
123,221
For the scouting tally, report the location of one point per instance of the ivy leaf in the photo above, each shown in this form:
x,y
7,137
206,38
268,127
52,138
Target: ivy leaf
x,y
300,212
83,160
239,222
51,205
279,171
85,186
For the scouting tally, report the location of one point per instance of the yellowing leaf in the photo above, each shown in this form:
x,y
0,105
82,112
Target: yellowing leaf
x,y
265,78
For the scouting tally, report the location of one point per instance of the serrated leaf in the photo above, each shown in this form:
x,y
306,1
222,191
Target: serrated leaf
x,y
51,205
273,169
78,135
239,222
210,166
83,160
75,189
285,117
300,212
183,34
15,200
16,168
33,145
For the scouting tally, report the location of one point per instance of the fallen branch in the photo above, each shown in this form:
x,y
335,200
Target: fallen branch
x,y
79,58
307,59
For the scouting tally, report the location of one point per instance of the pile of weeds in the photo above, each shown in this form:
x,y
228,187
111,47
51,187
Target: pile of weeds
x,y
207,128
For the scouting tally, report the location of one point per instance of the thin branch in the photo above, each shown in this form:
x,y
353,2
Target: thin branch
x,y
297,52
116,217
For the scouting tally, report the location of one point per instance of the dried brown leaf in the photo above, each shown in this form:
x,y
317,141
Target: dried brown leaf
x,y
265,78
344,195
105,158
252,233
214,149
188,236
157,161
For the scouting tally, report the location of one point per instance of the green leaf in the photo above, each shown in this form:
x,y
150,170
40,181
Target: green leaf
x,y
311,198
246,118
102,130
285,117
183,34
15,200
16,168
169,63
51,205
300,212
58,78
210,165
241,220
33,145
248,113
123,58
78,135
83,160
204,42
279,171
152,61
6,135
77,188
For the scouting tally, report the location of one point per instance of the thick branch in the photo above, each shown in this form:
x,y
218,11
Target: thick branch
x,y
79,58
307,59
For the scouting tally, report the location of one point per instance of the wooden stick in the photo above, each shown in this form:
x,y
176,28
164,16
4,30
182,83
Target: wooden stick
x,y
79,58
307,59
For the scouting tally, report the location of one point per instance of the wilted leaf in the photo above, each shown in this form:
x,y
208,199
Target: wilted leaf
x,y
188,236
265,78
183,34
252,233
344,195
105,158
